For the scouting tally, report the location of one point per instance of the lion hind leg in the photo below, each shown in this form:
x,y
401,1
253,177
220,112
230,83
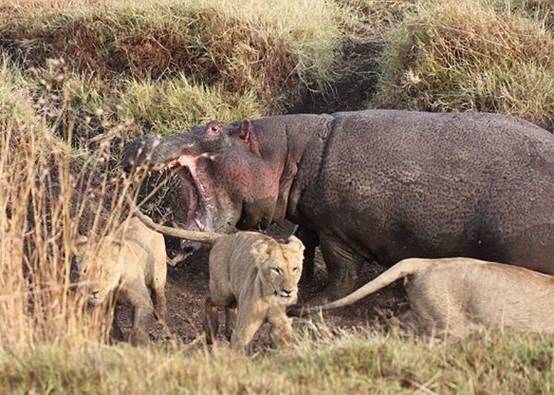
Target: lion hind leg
x,y
211,320
230,321
139,297
160,303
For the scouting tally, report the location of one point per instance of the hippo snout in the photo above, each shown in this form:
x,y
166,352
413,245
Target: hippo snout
x,y
138,153
156,151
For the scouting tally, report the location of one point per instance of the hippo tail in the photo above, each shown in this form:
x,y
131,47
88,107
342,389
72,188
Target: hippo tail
x,y
203,237
402,269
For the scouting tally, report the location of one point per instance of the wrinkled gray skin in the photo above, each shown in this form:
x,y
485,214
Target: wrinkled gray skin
x,y
376,184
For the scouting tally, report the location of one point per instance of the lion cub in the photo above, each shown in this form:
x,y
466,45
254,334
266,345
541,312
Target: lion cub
x,y
131,263
258,275
454,296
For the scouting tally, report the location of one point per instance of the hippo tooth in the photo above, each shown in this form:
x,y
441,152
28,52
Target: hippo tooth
x,y
208,156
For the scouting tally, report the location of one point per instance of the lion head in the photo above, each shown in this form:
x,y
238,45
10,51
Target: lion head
x,y
280,267
99,268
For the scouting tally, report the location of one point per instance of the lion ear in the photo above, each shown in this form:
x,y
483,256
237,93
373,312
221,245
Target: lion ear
x,y
261,250
79,243
295,245
81,240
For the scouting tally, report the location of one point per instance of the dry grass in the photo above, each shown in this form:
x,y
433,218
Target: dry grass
x,y
465,56
540,11
347,363
371,19
49,195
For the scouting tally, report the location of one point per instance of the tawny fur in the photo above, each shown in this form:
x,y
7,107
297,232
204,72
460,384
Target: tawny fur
x,y
259,276
131,263
251,270
453,296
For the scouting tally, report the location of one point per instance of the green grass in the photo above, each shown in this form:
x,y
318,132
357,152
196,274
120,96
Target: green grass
x,y
177,104
141,106
351,362
465,56
271,49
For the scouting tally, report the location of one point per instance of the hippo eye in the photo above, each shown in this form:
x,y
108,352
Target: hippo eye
x,y
276,270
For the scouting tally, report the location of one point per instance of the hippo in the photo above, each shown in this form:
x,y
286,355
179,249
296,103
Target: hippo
x,y
374,185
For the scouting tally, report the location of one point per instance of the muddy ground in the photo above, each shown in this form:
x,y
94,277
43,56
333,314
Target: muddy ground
x,y
187,288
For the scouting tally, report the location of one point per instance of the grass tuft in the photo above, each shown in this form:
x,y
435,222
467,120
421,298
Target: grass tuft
x,y
465,56
349,362
177,104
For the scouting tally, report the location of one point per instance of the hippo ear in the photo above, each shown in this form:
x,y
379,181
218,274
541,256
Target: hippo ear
x,y
248,135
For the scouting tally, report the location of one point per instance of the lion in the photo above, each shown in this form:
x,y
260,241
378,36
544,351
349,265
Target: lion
x,y
455,296
130,263
260,277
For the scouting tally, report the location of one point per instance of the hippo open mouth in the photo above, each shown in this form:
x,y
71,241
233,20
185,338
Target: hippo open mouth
x,y
198,211
195,193
196,190
213,164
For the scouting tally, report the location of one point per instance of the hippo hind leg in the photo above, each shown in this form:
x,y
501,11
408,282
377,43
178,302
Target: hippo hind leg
x,y
343,267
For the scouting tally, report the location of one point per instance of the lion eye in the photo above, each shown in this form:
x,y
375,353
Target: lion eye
x,y
276,270
294,270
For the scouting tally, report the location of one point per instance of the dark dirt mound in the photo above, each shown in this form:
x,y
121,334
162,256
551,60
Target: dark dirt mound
x,y
357,76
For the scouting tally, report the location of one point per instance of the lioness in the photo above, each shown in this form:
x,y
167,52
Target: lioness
x,y
456,295
132,262
252,271
258,274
